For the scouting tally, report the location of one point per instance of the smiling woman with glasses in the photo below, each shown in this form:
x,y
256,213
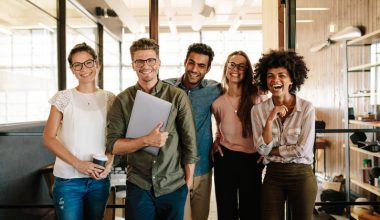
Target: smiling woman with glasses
x,y
237,165
81,187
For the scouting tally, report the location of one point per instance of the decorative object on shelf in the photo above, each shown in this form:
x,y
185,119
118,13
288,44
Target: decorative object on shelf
x,y
351,114
369,146
347,33
358,136
362,209
320,124
332,196
374,175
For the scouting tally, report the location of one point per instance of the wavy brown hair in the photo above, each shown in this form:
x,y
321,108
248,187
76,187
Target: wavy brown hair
x,y
249,92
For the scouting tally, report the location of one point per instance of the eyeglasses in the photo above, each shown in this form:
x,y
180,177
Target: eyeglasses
x,y
140,63
232,65
79,66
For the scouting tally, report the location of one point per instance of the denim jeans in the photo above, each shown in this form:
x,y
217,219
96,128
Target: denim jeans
x,y
80,198
142,204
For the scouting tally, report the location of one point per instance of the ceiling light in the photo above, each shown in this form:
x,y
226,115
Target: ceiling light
x,y
304,21
332,28
172,27
235,25
312,9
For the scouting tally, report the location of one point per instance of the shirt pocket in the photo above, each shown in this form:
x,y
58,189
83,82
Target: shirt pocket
x,y
293,135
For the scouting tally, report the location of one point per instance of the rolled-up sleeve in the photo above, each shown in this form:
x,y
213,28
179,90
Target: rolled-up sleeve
x,y
186,130
258,120
116,124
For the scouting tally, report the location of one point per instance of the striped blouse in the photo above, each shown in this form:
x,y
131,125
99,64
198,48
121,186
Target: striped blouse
x,y
294,137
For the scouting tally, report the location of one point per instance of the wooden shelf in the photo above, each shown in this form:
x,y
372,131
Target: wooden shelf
x,y
367,39
354,215
366,186
359,95
355,148
368,123
364,67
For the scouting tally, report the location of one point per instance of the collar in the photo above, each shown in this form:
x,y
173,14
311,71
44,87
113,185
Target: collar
x,y
157,88
200,85
297,106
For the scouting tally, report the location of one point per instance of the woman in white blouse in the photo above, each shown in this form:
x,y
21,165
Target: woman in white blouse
x,y
283,132
74,132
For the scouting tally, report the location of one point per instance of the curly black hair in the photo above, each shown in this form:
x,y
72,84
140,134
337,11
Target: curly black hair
x,y
288,59
201,48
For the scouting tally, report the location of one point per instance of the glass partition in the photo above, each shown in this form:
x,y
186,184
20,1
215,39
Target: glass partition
x,y
111,64
28,62
79,28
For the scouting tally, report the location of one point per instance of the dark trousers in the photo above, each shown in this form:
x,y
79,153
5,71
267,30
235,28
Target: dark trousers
x,y
143,205
237,179
290,182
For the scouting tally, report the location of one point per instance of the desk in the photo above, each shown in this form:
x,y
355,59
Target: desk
x,y
321,144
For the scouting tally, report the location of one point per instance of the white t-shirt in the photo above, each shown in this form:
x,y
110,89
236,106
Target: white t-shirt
x,y
83,125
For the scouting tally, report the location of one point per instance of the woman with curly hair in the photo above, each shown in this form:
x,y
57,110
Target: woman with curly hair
x,y
283,132
237,172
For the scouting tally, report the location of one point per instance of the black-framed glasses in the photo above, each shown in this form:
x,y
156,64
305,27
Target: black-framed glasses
x,y
240,67
79,66
150,62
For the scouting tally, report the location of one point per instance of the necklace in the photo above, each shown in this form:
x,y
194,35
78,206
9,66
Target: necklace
x,y
231,103
86,98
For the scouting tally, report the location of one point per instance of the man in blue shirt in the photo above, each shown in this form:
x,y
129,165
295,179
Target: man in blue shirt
x,y
202,93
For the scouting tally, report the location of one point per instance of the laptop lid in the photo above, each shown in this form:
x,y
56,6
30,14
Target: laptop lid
x,y
147,112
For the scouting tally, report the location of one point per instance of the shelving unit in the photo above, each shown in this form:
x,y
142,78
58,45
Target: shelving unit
x,y
365,67
367,123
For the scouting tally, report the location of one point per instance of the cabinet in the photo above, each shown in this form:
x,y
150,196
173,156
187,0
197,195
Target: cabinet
x,y
362,89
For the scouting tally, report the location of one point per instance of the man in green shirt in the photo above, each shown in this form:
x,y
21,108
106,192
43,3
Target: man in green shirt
x,y
157,185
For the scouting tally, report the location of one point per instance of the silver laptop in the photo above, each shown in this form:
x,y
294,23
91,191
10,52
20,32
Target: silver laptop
x,y
147,112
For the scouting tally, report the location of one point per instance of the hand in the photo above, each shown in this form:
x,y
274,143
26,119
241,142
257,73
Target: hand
x,y
280,111
189,183
216,148
88,168
260,160
106,171
156,137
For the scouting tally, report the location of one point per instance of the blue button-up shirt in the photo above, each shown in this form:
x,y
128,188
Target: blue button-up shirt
x,y
201,97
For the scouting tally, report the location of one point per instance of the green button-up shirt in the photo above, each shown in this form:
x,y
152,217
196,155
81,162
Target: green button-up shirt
x,y
164,172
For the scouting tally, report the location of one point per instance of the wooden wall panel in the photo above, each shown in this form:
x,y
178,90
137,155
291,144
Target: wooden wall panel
x,y
325,85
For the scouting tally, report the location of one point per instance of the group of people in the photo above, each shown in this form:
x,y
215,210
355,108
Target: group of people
x,y
253,130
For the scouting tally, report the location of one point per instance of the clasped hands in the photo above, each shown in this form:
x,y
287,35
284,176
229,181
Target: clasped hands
x,y
94,170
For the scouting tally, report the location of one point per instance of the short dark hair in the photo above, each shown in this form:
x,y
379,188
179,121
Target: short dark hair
x,y
144,44
201,48
82,47
288,59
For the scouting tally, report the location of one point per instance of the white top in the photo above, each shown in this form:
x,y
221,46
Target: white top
x,y
83,126
294,138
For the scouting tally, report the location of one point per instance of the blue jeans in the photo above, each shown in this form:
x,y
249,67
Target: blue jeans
x,y
143,205
80,198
